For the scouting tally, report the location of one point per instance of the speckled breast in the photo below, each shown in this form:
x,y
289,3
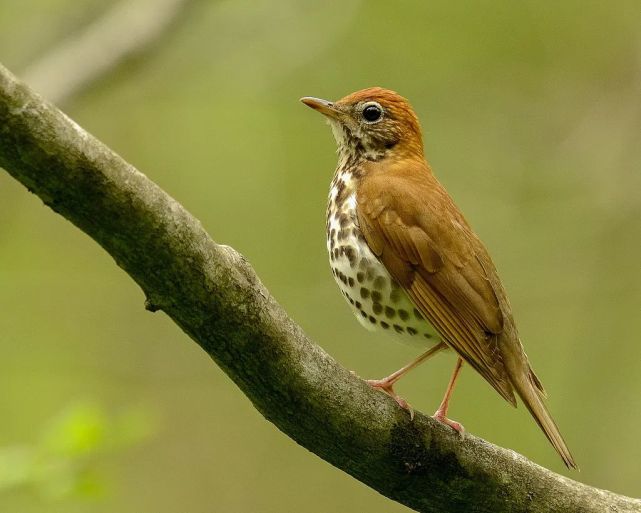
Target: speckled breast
x,y
374,296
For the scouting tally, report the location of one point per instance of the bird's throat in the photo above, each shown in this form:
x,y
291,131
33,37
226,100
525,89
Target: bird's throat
x,y
355,146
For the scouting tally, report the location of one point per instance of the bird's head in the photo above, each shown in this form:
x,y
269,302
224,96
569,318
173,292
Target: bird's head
x,y
372,124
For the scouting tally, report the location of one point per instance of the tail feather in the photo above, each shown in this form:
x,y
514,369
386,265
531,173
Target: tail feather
x,y
537,383
531,393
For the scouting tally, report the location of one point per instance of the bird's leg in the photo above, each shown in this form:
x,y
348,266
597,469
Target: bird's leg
x,y
441,413
387,384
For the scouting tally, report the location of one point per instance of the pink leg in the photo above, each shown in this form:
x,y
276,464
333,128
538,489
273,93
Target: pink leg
x,y
387,384
441,413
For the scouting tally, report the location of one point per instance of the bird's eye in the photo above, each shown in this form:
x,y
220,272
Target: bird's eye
x,y
372,112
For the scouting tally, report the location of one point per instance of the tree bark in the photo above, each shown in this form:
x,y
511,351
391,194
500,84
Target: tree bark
x,y
213,294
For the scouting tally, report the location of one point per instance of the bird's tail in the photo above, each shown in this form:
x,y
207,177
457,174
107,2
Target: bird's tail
x,y
532,393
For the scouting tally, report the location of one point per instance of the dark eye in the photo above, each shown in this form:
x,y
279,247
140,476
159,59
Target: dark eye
x,y
372,113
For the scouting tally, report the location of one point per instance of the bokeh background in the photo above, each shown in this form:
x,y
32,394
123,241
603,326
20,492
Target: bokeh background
x,y
532,120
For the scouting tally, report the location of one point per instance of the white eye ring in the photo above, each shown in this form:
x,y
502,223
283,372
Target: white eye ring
x,y
372,112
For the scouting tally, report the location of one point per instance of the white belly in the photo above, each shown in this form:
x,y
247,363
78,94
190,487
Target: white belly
x,y
376,299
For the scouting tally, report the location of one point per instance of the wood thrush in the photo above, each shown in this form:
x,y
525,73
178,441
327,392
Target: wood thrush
x,y
408,262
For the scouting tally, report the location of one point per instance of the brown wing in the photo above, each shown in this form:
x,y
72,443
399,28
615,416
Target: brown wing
x,y
412,225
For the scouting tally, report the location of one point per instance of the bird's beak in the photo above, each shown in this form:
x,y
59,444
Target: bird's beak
x,y
323,106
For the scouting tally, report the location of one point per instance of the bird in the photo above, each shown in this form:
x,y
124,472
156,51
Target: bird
x,y
407,261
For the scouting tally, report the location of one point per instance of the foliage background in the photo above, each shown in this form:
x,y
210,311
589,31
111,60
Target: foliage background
x,y
532,119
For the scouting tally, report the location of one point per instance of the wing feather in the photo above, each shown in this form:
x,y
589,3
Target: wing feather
x,y
440,263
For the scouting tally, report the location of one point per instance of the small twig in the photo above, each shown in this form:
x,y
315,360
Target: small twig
x,y
125,30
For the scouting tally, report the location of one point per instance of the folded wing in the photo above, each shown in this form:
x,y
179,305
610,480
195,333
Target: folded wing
x,y
412,225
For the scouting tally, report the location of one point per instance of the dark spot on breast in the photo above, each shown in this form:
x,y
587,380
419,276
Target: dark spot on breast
x,y
390,313
364,293
335,253
372,319
379,282
384,325
403,314
411,330
341,235
360,276
332,234
350,281
358,305
418,314
378,308
376,296
395,295
399,329
427,335
370,273
340,192
350,253
364,313
343,220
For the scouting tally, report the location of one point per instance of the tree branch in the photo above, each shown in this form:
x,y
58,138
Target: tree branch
x,y
213,294
125,30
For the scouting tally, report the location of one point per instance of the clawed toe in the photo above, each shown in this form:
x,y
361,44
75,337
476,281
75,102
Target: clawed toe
x,y
456,426
388,388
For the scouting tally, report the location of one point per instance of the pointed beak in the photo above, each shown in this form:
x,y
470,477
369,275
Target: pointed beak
x,y
323,106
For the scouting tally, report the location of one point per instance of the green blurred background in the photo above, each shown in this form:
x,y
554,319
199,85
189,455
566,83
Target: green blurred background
x,y
532,120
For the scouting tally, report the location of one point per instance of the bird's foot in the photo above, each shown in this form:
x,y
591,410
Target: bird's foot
x,y
456,426
388,387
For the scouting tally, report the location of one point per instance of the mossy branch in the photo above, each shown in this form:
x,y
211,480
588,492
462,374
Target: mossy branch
x,y
213,294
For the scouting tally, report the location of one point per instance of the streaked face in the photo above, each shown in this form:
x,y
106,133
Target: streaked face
x,y
369,124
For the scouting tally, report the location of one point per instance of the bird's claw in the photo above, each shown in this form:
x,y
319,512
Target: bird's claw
x,y
388,388
456,426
